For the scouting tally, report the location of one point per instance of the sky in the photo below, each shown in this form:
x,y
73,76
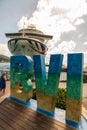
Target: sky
x,y
66,20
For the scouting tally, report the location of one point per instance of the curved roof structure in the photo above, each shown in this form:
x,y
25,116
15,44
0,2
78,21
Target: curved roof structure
x,y
29,41
4,58
30,32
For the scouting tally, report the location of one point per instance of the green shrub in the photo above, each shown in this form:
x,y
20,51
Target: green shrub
x,y
34,94
61,98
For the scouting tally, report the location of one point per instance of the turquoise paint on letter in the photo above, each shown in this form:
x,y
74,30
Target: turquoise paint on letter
x,y
48,87
75,76
21,71
74,88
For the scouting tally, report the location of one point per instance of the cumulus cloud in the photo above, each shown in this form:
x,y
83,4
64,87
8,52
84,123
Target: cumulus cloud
x,y
23,22
67,46
79,21
55,17
4,50
85,43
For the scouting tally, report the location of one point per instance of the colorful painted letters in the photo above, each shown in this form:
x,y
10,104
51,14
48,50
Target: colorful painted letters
x,y
47,83
47,87
74,88
21,71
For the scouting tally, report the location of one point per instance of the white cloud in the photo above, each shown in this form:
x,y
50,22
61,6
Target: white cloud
x,y
85,43
67,46
78,9
64,47
79,21
23,22
56,17
4,50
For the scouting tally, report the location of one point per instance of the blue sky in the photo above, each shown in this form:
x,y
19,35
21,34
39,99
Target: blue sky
x,y
11,12
66,20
